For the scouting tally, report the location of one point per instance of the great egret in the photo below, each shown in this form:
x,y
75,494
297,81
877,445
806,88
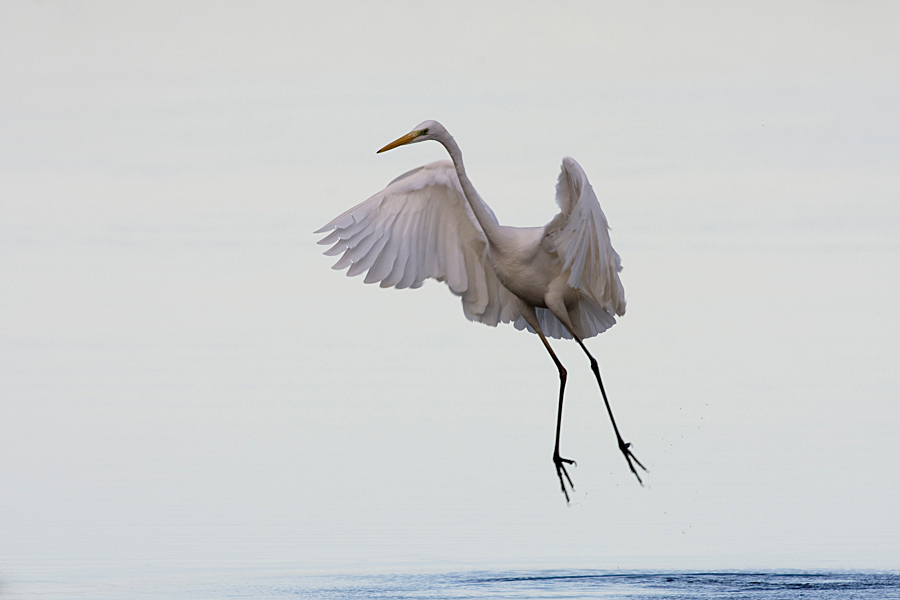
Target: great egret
x,y
560,280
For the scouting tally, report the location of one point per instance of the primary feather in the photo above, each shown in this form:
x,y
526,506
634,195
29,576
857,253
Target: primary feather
x,y
419,227
579,234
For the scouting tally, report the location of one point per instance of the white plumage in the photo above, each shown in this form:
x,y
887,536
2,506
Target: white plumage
x,y
421,226
560,280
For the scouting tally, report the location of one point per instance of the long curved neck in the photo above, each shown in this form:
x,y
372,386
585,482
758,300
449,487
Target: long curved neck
x,y
483,214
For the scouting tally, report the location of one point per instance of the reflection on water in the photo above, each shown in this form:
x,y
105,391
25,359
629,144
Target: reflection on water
x,y
78,581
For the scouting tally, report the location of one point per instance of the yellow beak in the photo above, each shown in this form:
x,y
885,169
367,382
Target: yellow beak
x,y
409,137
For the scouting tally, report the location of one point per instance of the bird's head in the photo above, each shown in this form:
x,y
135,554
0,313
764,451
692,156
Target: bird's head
x,y
426,130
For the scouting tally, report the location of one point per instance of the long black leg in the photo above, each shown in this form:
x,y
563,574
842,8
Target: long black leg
x,y
624,446
559,461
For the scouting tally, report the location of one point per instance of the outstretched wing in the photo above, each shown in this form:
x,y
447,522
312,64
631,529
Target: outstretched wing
x,y
419,227
579,234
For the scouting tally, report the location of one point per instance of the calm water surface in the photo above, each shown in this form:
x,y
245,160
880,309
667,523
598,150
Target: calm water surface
x,y
594,584
570,584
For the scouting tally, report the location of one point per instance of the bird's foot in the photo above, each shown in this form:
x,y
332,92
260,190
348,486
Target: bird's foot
x,y
561,463
625,448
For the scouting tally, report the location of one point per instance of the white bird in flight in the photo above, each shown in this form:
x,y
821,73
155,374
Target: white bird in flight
x,y
560,280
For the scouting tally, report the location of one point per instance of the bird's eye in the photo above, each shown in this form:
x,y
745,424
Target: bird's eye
x,y
425,131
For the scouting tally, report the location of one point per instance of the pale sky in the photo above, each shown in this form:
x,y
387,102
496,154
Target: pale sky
x,y
185,378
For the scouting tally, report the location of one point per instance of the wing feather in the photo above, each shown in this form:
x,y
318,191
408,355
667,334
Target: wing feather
x,y
579,234
421,227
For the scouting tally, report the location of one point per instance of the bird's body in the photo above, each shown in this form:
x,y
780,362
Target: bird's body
x,y
560,280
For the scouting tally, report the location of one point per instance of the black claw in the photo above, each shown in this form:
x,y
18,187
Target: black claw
x,y
629,457
561,472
